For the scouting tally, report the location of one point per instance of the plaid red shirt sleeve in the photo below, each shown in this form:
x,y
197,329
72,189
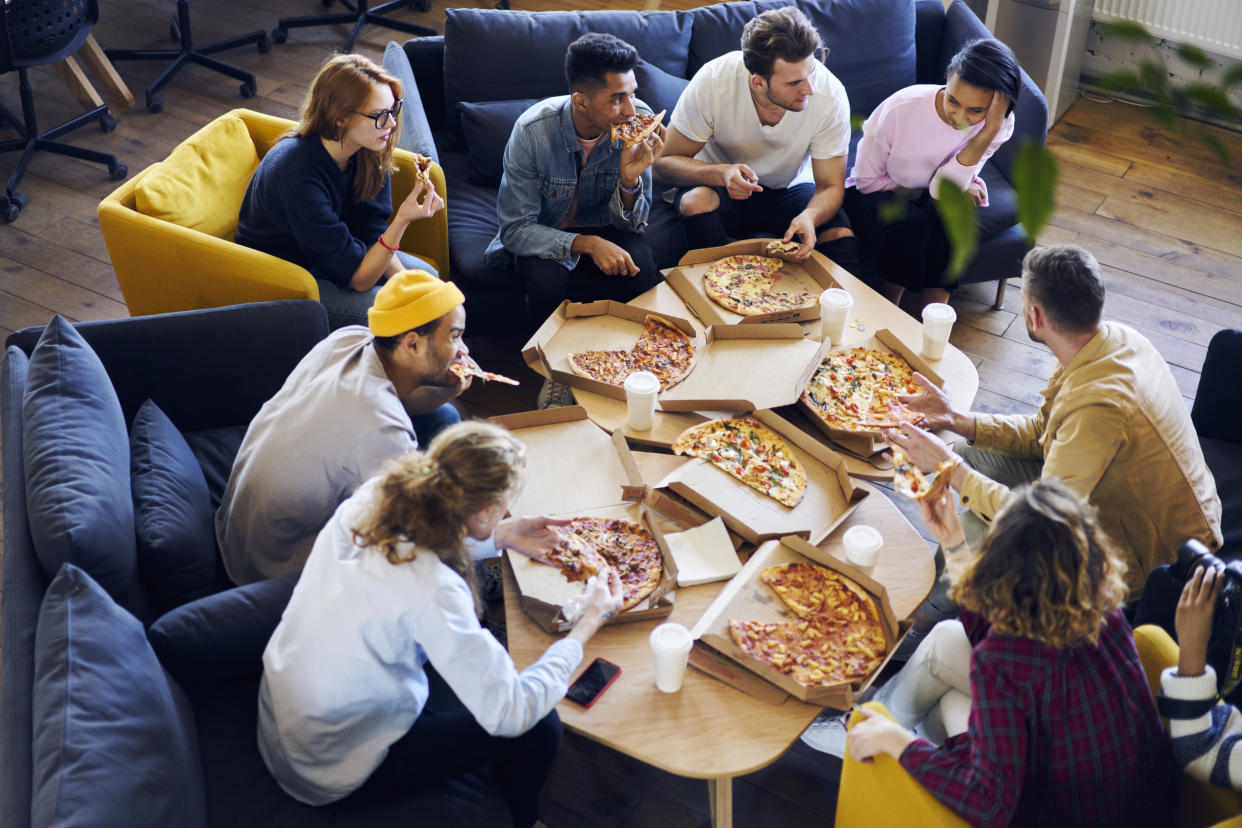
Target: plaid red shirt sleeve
x,y
1054,736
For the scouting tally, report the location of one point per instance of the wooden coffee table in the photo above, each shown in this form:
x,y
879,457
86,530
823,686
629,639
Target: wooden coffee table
x,y
711,730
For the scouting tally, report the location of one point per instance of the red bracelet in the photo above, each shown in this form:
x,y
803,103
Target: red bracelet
x,y
385,246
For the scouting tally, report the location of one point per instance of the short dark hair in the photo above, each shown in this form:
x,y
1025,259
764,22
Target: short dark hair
x,y
784,33
1065,280
591,57
988,64
386,344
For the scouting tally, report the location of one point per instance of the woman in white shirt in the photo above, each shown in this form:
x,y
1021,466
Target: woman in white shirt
x,y
919,138
379,679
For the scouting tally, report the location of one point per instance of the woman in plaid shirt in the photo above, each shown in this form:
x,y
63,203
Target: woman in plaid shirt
x,y
1062,728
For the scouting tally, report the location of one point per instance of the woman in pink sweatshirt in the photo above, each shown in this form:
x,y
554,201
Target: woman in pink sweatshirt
x,y
919,139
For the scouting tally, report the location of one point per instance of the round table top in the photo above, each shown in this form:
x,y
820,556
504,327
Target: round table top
x,y
711,730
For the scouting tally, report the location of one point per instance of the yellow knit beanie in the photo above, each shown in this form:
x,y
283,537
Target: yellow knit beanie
x,y
409,299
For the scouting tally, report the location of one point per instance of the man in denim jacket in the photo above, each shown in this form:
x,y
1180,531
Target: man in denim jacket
x,y
573,204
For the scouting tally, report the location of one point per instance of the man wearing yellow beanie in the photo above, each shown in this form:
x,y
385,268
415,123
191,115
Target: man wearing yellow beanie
x,y
357,399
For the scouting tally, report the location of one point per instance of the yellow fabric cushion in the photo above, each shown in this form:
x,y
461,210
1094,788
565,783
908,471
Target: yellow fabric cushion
x,y
200,185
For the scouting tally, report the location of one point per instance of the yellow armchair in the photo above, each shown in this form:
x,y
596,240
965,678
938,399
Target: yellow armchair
x,y
169,229
883,793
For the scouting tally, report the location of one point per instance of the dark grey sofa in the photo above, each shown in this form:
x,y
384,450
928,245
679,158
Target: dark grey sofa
x,y
123,704
466,88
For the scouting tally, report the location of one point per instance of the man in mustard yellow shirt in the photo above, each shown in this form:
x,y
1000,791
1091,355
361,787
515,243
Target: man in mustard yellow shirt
x,y
1113,426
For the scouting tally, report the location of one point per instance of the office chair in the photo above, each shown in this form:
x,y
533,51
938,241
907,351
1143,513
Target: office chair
x,y
38,33
359,14
180,31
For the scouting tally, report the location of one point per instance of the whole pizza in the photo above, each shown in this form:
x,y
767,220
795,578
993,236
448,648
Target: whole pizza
x,y
744,285
628,548
838,636
750,451
663,349
856,390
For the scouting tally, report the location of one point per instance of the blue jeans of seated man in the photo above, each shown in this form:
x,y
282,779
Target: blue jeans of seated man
x,y
1011,471
346,306
766,212
427,426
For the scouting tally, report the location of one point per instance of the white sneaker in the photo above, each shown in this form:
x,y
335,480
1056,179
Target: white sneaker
x,y
827,734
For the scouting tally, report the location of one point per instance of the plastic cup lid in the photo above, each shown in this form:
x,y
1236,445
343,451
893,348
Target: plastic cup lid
x,y
671,636
939,312
836,298
642,382
866,537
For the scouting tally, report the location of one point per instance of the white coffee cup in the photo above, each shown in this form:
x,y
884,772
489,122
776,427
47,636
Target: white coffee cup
x,y
862,546
938,319
641,388
670,647
835,305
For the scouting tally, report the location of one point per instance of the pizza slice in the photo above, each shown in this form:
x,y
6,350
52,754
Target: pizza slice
x,y
909,481
575,558
422,169
662,348
461,370
749,451
782,249
629,549
637,129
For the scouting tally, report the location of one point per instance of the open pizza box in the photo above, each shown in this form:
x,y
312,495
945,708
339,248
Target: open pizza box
x,y
830,493
591,326
746,368
574,469
811,276
865,444
746,597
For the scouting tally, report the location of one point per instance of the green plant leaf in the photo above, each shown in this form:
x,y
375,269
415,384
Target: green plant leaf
x,y
1194,56
1212,98
892,209
1035,173
1216,146
856,122
1154,78
1232,76
957,213
1127,30
1121,80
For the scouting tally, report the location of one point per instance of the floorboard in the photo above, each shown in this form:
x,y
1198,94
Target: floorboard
x,y
1160,211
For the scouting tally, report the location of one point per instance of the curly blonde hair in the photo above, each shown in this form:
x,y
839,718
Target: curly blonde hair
x,y
1044,570
426,497
343,84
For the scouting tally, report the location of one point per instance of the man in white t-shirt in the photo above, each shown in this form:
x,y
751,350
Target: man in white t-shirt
x,y
758,143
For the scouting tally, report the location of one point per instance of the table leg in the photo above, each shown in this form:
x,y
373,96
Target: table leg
x,y
720,793
105,72
74,78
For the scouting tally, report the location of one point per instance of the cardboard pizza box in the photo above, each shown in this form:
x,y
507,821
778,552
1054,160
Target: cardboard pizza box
x,y
830,493
591,326
746,597
811,276
746,368
865,444
575,469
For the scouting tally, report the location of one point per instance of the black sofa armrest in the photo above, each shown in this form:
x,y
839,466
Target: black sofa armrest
x,y
205,369
426,56
928,35
1219,397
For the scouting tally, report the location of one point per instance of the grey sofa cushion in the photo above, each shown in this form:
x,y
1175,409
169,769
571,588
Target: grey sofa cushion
x,y
487,126
115,741
415,131
508,55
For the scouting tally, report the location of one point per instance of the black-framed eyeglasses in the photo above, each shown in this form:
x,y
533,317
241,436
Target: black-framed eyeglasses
x,y
382,117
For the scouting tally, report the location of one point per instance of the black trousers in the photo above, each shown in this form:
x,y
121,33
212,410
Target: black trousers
x,y
548,282
900,241
446,741
767,212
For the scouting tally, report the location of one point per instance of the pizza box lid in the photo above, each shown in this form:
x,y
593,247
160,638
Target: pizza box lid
x,y
865,444
830,493
543,592
605,325
746,597
559,440
746,368
813,275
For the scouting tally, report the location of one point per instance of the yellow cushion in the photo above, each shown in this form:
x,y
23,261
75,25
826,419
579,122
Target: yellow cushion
x,y
201,184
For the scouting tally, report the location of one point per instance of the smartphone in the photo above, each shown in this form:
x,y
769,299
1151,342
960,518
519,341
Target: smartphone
x,y
589,686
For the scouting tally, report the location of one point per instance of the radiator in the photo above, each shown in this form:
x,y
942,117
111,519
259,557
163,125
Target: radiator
x,y
1212,25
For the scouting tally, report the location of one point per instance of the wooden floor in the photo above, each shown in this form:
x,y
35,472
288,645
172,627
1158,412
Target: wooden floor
x,y
1161,213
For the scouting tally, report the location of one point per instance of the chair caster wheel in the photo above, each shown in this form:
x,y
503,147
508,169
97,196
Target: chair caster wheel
x,y
106,122
265,45
280,35
155,106
247,90
9,209
118,171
